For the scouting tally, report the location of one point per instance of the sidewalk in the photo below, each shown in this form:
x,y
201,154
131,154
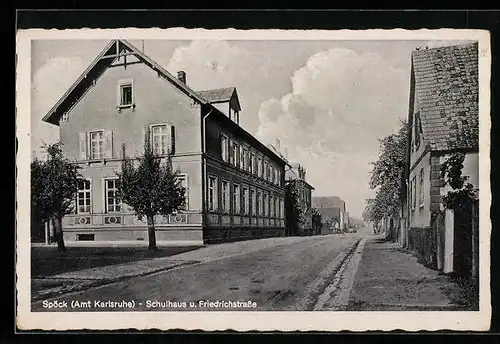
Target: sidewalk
x,y
45,286
390,279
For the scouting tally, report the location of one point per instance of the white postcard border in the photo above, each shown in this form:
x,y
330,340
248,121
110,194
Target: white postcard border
x,y
254,320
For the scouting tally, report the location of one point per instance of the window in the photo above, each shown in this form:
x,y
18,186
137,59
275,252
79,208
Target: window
x,y
234,148
225,196
125,94
414,196
183,181
278,182
259,167
421,188
252,163
242,158
266,205
113,202
245,201
96,144
282,208
264,171
418,129
237,155
64,117
236,199
224,144
271,208
259,203
253,202
275,207
212,193
160,139
410,193
84,196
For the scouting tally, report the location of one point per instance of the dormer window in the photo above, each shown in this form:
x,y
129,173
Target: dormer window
x,y
125,94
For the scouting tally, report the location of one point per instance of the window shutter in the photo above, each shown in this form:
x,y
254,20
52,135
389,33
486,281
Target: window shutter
x,y
144,136
172,140
108,139
83,146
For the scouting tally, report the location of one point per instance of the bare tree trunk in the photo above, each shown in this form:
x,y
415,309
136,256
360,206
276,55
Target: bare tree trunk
x,y
58,233
151,233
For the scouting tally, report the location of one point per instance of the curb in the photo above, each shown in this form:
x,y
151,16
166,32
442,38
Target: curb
x,y
324,279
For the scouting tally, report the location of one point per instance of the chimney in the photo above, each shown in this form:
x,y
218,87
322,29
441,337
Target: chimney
x,y
278,145
181,75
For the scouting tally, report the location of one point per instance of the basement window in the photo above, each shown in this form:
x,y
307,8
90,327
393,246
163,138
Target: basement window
x,y
85,237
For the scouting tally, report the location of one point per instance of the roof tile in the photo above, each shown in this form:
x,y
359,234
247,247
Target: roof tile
x,y
446,83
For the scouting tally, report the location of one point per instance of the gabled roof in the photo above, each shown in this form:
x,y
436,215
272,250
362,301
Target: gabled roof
x,y
328,202
218,94
98,66
329,213
447,90
221,95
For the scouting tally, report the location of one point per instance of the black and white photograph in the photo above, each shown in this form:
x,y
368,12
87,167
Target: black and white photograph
x,y
253,180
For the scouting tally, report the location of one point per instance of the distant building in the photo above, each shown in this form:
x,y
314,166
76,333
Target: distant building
x,y
234,184
333,212
296,176
443,118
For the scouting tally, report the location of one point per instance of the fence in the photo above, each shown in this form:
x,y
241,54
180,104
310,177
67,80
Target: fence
x,y
422,241
429,243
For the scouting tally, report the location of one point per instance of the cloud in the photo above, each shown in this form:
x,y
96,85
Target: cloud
x,y
48,85
341,103
255,72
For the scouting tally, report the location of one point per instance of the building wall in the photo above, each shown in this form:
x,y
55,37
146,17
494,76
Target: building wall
x,y
229,226
157,101
420,214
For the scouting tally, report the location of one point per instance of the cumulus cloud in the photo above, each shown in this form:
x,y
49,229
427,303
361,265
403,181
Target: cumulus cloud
x,y
49,83
215,64
341,103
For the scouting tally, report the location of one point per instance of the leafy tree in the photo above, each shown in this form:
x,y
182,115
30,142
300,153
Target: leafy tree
x,y
317,221
462,193
388,176
53,187
151,188
293,210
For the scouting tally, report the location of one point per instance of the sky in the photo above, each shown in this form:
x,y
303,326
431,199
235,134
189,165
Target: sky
x,y
328,102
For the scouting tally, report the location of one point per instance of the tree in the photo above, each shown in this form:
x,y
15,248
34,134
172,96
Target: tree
x,y
53,188
462,193
293,211
151,188
388,176
317,221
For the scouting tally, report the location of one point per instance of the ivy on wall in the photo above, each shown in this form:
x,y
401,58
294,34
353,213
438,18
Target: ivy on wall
x,y
463,192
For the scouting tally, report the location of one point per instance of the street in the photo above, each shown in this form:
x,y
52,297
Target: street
x,y
289,274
